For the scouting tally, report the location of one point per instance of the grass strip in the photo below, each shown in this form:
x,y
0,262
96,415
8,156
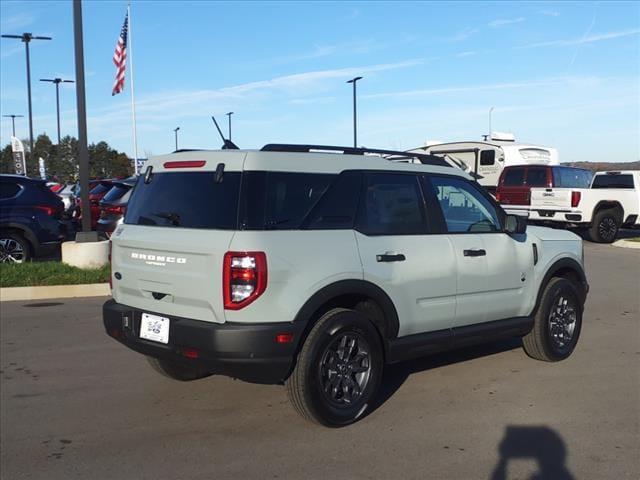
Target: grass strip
x,y
32,274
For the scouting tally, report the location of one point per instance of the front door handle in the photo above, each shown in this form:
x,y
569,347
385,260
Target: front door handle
x,y
474,253
390,257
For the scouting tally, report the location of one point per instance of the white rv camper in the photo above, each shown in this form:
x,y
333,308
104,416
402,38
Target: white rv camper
x,y
486,159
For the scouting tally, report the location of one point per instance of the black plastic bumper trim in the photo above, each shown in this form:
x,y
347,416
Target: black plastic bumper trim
x,y
245,351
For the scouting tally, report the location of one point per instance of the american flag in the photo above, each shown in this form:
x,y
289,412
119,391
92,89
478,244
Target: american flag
x,y
120,57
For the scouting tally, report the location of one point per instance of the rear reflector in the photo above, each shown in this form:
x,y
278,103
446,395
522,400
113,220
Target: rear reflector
x,y
185,164
575,198
284,338
190,353
244,278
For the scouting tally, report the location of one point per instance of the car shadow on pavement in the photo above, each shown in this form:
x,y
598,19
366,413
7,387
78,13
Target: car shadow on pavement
x,y
396,374
538,443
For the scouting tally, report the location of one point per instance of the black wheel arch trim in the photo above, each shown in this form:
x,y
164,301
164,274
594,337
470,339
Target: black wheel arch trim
x,y
609,204
25,231
352,287
557,266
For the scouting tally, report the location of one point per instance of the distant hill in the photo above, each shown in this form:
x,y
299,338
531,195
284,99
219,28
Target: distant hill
x,y
599,166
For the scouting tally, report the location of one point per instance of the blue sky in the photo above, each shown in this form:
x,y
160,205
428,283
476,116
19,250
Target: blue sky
x,y
558,74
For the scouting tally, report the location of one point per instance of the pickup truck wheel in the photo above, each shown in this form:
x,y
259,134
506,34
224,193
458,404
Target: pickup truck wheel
x,y
175,371
605,226
339,369
557,322
14,248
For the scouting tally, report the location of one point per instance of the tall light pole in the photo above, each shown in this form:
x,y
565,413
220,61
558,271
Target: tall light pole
x,y
13,122
175,132
26,39
490,112
355,123
57,82
228,114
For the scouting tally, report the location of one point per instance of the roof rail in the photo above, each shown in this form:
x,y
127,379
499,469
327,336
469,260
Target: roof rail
x,y
397,155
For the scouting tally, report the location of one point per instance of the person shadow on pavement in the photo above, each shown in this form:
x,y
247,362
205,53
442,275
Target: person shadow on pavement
x,y
541,444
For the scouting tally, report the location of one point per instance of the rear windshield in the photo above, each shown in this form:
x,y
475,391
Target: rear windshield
x,y
537,176
513,177
100,189
613,181
116,193
185,200
565,177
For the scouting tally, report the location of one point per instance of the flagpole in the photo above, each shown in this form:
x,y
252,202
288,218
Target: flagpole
x,y
133,101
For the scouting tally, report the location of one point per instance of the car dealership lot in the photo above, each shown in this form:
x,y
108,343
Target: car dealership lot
x,y
75,404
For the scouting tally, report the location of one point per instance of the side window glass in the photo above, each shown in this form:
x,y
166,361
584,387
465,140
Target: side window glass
x,y
8,190
337,208
391,204
464,208
487,157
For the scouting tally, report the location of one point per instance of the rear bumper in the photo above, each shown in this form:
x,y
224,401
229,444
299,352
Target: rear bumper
x,y
248,352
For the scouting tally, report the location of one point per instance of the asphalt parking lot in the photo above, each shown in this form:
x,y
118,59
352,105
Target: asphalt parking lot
x,y
75,404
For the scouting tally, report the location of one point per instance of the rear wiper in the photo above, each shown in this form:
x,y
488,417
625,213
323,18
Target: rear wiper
x,y
174,218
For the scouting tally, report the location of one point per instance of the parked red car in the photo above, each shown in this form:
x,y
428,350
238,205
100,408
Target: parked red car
x,y
114,205
96,194
515,183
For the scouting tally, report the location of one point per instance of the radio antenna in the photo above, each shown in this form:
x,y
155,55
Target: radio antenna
x,y
227,144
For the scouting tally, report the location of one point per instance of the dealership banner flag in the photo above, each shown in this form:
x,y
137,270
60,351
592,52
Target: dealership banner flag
x,y
18,156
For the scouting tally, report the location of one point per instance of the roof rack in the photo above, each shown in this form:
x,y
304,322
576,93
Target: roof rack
x,y
423,158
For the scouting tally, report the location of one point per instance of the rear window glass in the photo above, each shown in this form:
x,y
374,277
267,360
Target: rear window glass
x,y
279,200
337,208
185,200
116,193
513,177
100,189
564,177
613,181
537,177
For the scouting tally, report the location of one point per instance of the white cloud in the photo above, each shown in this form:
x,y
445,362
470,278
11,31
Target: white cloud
x,y
549,13
312,100
471,88
460,36
466,54
17,21
501,22
583,40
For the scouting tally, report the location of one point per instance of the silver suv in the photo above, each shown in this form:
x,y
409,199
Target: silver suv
x,y
314,266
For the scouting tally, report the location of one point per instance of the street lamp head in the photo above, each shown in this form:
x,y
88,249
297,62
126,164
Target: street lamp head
x,y
13,116
176,129
229,113
354,80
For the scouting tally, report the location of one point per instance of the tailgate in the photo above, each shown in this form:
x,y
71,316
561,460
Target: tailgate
x,y
171,271
551,198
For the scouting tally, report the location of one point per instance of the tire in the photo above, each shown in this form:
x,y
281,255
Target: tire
x,y
14,248
559,316
605,226
338,371
175,371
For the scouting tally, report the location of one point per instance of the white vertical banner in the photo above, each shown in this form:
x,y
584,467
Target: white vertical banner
x,y
18,156
42,168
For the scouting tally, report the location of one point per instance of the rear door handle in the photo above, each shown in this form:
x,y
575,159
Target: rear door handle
x,y
390,257
474,253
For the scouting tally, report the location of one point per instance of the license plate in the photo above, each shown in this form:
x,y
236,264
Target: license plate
x,y
154,328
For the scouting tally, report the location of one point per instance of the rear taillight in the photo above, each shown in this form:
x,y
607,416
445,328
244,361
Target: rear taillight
x,y
112,210
244,278
498,196
575,199
48,210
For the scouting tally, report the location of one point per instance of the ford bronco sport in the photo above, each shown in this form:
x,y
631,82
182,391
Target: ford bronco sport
x,y
315,266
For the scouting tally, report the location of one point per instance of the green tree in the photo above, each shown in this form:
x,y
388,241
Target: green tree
x,y
6,162
42,148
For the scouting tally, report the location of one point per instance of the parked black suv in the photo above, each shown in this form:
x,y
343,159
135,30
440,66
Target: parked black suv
x,y
30,219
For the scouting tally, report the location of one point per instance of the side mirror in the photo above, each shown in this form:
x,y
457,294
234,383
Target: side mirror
x,y
515,224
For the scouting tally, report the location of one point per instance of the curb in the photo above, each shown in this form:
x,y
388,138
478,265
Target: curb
x,y
11,294
626,244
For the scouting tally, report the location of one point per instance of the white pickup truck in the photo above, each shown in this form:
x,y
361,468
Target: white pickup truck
x,y
612,201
